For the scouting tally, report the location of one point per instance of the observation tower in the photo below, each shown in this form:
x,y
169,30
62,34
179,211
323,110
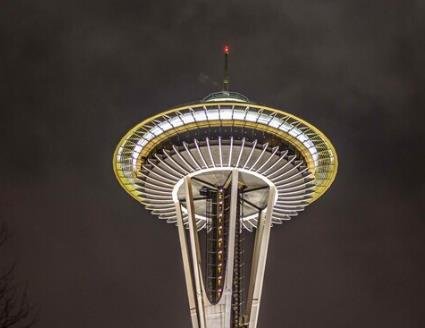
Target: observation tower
x,y
225,170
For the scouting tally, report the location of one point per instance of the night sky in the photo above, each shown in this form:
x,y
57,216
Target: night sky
x,y
76,75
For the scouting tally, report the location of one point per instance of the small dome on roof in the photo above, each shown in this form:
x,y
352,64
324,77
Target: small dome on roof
x,y
226,96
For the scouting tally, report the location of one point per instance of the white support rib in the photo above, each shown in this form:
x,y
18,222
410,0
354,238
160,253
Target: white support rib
x,y
241,152
250,154
156,187
294,168
175,162
220,152
282,167
282,156
164,171
230,151
179,174
259,257
158,178
200,153
196,254
191,156
186,266
209,152
259,157
190,167
267,161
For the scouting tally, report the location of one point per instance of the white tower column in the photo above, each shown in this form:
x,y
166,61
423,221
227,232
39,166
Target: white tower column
x,y
204,314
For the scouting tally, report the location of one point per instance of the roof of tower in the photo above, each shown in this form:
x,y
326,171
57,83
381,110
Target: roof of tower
x,y
226,96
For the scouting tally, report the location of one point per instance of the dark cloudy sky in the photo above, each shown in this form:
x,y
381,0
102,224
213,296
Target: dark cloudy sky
x,y
76,75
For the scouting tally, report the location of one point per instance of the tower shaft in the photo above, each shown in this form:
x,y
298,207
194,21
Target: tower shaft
x,y
217,303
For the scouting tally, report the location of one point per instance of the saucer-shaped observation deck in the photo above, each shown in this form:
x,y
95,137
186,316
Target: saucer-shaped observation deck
x,y
207,139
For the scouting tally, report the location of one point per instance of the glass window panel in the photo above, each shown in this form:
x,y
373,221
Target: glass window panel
x,y
239,114
294,132
176,121
156,131
213,114
251,116
264,118
165,125
200,115
148,136
302,137
275,122
226,114
137,149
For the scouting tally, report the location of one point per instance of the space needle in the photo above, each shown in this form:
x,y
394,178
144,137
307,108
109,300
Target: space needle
x,y
225,170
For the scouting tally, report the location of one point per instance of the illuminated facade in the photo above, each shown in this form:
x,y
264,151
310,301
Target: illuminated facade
x,y
225,170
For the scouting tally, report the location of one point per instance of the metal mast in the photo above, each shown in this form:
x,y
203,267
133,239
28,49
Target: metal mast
x,y
226,79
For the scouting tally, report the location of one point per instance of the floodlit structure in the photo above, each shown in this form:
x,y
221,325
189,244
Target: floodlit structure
x,y
225,170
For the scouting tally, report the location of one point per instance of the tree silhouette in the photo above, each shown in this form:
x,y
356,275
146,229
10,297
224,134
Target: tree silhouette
x,y
15,309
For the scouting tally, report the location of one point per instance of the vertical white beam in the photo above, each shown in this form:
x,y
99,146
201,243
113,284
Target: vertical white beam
x,y
259,257
187,267
195,250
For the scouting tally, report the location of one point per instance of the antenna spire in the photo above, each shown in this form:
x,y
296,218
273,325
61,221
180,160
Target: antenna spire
x,y
226,80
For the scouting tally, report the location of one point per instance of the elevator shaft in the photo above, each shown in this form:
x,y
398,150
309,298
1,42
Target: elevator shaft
x,y
215,280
